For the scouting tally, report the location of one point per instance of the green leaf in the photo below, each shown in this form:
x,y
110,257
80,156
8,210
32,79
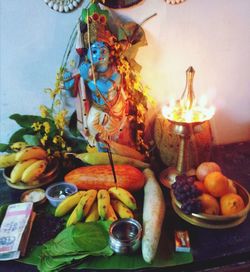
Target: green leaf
x,y
78,145
31,139
3,209
90,236
18,135
73,243
4,147
26,121
73,125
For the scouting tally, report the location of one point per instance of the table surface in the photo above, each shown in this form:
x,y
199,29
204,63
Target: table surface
x,y
225,250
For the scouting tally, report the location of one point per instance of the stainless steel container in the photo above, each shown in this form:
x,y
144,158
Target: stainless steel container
x,y
125,235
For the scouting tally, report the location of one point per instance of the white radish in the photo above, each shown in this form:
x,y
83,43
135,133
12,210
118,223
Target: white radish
x,y
153,216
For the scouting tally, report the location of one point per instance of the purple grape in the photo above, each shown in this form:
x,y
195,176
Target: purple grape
x,y
186,193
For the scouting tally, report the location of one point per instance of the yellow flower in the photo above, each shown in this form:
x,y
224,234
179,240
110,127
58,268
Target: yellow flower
x,y
53,94
63,144
44,111
55,140
60,119
44,139
46,126
36,126
59,141
137,85
57,102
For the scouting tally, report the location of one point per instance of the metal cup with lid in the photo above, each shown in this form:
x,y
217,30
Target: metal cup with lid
x,y
125,235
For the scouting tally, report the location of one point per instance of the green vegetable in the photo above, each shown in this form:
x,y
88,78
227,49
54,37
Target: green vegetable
x,y
73,244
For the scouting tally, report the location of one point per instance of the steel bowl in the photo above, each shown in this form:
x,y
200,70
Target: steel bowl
x,y
125,235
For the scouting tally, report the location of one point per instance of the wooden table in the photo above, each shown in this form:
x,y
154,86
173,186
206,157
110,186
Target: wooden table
x,y
213,250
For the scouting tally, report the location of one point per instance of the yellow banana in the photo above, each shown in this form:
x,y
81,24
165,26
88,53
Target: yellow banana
x,y
87,206
124,196
68,204
17,146
93,213
19,168
111,216
32,152
33,172
77,213
103,199
122,210
7,160
100,158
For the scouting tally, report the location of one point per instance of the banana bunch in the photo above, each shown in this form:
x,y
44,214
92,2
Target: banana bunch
x,y
93,205
28,164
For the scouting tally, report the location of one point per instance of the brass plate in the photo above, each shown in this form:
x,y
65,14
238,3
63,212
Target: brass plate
x,y
222,218
50,175
206,224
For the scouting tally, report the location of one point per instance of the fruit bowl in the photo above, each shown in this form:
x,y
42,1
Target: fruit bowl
x,y
50,174
216,221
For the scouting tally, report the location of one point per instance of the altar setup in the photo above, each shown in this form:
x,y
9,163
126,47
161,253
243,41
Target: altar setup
x,y
113,181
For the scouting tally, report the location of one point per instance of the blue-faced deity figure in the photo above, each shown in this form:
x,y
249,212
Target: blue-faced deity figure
x,y
102,99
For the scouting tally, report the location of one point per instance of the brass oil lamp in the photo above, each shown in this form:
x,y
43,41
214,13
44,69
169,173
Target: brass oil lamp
x,y
186,117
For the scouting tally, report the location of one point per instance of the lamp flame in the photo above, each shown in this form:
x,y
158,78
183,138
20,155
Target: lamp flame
x,y
187,109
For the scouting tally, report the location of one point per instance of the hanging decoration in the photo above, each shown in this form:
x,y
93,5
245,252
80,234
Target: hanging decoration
x,y
174,2
63,5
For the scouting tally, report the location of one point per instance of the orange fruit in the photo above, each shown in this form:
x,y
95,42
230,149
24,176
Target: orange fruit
x,y
216,184
232,188
209,204
231,204
205,168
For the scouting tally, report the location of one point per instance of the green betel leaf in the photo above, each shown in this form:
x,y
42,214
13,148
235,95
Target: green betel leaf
x,y
18,135
31,139
73,243
90,236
